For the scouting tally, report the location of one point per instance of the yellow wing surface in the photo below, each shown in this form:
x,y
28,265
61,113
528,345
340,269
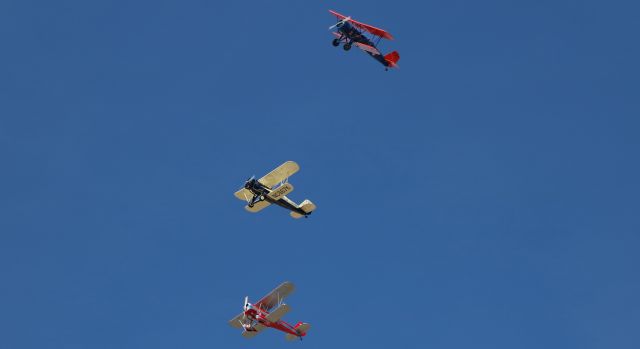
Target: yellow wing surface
x,y
244,194
281,173
258,206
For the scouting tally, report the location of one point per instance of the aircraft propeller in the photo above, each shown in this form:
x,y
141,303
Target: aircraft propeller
x,y
339,24
244,316
247,181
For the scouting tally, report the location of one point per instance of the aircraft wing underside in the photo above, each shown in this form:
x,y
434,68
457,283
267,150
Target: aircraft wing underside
x,y
274,297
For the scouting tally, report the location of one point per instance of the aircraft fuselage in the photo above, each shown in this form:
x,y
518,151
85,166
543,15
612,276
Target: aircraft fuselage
x,y
260,190
353,34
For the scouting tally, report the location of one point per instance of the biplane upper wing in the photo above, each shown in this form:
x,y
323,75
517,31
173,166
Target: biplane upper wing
x,y
368,48
371,29
278,294
281,173
278,313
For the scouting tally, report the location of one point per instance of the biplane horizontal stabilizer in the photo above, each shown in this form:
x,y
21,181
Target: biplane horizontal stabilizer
x,y
307,206
302,328
295,215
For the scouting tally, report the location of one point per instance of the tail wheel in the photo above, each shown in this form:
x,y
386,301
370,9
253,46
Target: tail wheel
x,y
347,47
336,42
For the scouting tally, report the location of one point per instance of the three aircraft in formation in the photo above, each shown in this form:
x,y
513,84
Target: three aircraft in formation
x,y
274,187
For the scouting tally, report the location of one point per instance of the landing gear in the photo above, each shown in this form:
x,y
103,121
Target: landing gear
x,y
347,46
336,42
255,200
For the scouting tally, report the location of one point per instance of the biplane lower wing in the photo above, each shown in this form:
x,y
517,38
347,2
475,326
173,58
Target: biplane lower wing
x,y
250,334
258,206
276,296
236,321
367,48
281,173
363,47
338,35
244,194
301,328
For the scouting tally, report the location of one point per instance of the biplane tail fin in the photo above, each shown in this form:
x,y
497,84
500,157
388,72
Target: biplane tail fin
x,y
301,328
392,59
307,206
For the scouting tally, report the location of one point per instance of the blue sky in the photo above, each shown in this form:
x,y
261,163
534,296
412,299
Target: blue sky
x,y
484,195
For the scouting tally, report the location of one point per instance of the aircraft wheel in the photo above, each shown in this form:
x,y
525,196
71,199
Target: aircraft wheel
x,y
336,42
347,47
261,197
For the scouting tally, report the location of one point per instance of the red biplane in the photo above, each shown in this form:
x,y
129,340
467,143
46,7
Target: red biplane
x,y
351,32
267,313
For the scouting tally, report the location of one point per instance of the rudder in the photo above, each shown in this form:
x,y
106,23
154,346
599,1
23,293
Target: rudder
x,y
307,206
392,59
301,328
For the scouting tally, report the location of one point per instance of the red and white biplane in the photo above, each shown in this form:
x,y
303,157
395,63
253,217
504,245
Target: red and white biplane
x,y
267,313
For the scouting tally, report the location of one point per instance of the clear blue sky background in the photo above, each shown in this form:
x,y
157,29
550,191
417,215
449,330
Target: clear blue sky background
x,y
485,195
